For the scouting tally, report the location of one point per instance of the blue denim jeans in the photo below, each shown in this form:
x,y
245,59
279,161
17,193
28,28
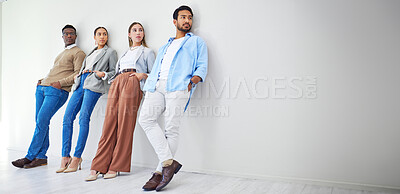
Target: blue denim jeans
x,y
48,101
83,101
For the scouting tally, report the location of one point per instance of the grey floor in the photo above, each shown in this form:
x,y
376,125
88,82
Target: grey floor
x,y
45,180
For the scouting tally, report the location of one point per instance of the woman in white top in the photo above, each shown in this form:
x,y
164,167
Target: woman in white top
x,y
89,85
124,97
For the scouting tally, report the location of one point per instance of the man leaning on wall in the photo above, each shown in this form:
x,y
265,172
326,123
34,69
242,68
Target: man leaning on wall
x,y
51,93
179,66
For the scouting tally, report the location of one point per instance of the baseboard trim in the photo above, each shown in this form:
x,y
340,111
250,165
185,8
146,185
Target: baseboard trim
x,y
326,183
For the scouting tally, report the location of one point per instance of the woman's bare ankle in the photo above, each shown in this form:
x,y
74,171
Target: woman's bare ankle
x,y
64,161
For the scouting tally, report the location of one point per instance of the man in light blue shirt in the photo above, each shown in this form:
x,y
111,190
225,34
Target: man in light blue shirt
x,y
179,66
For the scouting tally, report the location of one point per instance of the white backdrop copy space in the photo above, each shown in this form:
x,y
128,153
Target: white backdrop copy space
x,y
296,89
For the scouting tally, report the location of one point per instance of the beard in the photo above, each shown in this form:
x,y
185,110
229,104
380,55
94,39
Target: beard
x,y
180,28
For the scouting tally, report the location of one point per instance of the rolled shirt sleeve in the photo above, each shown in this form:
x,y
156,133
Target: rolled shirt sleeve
x,y
202,61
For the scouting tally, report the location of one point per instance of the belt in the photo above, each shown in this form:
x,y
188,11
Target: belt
x,y
127,70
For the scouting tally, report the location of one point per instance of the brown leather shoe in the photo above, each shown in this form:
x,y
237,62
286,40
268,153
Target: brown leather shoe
x,y
21,162
153,182
36,162
168,172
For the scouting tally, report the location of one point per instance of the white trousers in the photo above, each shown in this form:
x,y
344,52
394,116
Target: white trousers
x,y
172,104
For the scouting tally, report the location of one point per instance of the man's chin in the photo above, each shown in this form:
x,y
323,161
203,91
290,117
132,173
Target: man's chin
x,y
184,29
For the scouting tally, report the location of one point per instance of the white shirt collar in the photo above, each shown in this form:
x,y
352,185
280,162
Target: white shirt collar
x,y
70,46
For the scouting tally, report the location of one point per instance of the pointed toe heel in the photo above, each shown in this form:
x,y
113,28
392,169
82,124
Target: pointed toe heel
x,y
62,169
79,166
110,176
92,177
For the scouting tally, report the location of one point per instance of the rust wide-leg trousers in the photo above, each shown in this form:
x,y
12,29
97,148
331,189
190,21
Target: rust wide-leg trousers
x,y
115,145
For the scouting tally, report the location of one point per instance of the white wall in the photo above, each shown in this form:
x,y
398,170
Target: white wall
x,y
1,49
346,130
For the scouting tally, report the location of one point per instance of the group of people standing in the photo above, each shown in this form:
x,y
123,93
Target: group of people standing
x,y
167,80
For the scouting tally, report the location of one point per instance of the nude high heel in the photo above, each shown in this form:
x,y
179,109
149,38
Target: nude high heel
x,y
62,169
110,176
74,169
92,177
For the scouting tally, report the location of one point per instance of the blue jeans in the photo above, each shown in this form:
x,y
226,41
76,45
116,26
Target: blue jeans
x,y
48,101
82,100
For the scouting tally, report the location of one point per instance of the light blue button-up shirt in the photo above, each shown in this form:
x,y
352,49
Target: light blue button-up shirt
x,y
191,59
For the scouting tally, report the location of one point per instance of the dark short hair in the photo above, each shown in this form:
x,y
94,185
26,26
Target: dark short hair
x,y
68,26
183,7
